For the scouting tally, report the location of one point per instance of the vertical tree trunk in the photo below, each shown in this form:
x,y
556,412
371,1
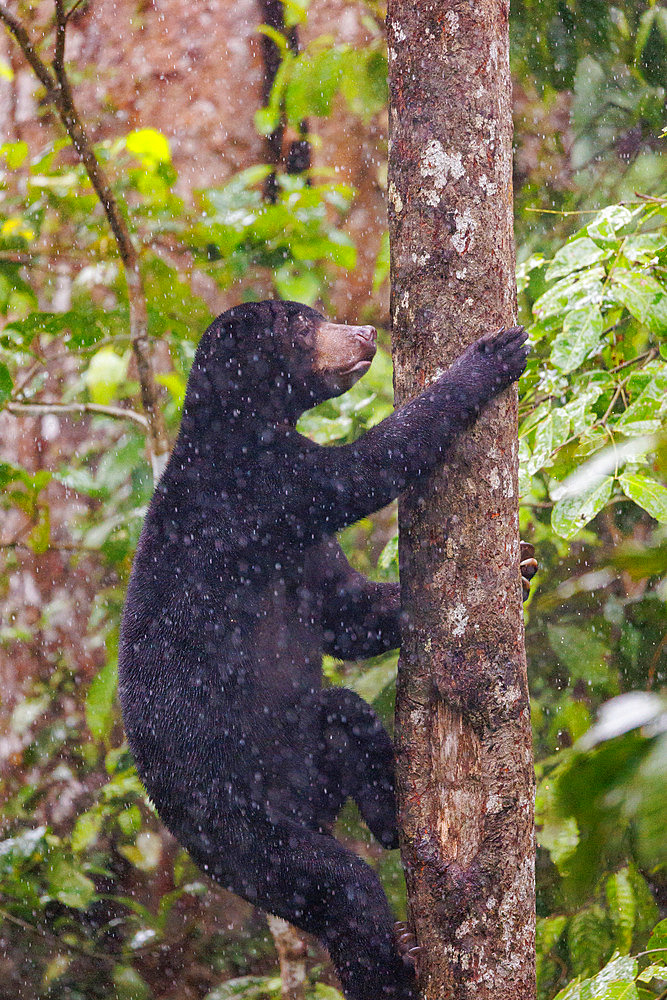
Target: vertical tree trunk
x,y
465,769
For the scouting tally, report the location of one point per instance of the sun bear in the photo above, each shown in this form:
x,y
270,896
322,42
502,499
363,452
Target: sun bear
x,y
239,586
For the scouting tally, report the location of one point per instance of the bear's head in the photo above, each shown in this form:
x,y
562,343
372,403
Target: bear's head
x,y
276,359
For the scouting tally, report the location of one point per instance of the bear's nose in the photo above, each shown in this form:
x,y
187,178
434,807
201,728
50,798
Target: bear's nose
x,y
368,333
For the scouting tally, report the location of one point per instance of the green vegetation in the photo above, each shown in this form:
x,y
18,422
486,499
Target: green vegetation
x,y
94,900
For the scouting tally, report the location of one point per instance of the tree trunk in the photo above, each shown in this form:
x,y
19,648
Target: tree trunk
x,y
465,769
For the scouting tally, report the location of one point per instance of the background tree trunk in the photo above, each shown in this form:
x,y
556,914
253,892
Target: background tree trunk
x,y
465,766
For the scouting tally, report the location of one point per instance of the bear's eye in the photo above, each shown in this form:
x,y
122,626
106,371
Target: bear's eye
x,y
302,329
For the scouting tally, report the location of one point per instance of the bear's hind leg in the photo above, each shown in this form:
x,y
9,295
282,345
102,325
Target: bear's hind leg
x,y
314,882
358,761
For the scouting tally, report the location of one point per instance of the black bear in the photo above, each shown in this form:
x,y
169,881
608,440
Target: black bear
x,y
239,585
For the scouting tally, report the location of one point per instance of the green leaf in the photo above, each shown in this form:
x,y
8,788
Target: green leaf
x,y
70,886
267,120
129,985
582,329
606,224
550,435
86,829
643,297
575,255
658,938
581,651
149,146
40,535
644,415
388,558
6,384
588,939
106,372
573,513
574,292
297,286
100,700
646,492
14,153
622,908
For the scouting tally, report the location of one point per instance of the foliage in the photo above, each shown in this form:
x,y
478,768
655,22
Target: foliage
x,y
596,384
96,900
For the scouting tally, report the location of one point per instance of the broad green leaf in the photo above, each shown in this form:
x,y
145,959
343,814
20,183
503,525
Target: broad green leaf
x,y
29,845
100,700
297,286
128,984
642,247
574,292
248,988
575,255
643,297
146,851
388,558
622,908
645,414
149,146
580,651
69,885
658,939
606,224
373,682
588,940
646,492
14,153
652,972
106,372
267,120
6,384
86,829
582,329
573,513
550,435
40,534
580,409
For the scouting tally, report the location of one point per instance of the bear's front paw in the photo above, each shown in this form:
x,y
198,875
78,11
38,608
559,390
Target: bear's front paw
x,y
500,357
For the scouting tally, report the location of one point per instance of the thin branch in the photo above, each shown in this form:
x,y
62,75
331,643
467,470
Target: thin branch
x,y
41,409
73,9
646,356
40,70
59,93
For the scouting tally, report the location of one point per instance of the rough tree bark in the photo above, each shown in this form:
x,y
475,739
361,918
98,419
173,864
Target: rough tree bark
x,y
465,769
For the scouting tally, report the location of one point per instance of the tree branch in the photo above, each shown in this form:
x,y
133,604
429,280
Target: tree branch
x,y
59,93
41,409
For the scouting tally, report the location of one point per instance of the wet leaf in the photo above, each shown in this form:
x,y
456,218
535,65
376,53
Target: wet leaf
x,y
573,513
643,297
582,330
646,492
575,255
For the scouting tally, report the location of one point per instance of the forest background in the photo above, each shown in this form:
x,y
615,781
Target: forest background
x,y
96,900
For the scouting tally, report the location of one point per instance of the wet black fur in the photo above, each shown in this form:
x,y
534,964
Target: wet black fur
x,y
238,587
